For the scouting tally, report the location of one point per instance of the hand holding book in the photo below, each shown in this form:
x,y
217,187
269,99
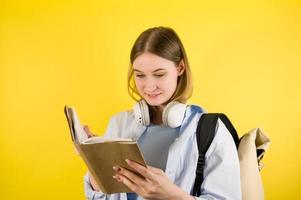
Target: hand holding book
x,y
101,154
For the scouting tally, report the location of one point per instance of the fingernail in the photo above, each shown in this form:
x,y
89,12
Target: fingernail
x,y
116,168
117,178
127,161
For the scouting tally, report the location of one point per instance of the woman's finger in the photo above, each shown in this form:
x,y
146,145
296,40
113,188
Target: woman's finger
x,y
156,170
131,185
88,132
143,171
135,178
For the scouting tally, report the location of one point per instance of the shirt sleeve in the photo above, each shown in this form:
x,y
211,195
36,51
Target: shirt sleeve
x,y
90,193
112,127
222,169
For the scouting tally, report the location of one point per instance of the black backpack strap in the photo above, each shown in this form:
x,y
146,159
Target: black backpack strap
x,y
204,134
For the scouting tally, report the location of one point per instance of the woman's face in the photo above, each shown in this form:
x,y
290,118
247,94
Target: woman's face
x,y
155,78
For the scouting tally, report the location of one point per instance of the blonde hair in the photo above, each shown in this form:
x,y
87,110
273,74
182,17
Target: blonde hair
x,y
163,42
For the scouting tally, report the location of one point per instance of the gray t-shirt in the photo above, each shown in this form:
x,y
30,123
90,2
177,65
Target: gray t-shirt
x,y
154,144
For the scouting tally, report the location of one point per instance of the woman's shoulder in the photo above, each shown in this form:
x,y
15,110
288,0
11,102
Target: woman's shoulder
x,y
123,116
222,139
120,123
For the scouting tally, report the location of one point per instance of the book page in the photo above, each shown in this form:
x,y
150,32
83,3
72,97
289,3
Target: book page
x,y
80,134
97,139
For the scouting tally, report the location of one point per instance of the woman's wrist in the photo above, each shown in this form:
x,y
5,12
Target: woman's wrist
x,y
93,183
182,195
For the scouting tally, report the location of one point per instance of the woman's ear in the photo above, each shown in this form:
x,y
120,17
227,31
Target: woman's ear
x,y
181,68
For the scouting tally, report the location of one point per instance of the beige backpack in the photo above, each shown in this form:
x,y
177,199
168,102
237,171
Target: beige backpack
x,y
251,148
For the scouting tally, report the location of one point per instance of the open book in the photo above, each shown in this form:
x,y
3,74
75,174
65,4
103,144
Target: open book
x,y
101,154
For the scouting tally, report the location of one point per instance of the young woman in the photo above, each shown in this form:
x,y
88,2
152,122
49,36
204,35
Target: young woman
x,y
159,79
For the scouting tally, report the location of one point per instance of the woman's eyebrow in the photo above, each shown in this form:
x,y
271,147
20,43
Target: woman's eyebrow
x,y
160,69
136,70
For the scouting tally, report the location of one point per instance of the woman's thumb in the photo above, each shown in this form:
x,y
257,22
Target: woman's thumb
x,y
87,130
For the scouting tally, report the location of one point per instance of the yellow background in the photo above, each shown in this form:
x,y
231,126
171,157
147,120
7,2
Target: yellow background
x,y
245,57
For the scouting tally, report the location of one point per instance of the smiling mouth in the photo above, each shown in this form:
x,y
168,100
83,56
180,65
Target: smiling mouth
x,y
153,95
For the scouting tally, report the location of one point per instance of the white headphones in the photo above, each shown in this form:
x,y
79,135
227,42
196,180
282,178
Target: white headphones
x,y
172,116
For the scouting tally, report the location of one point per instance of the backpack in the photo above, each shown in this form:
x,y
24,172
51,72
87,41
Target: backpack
x,y
251,148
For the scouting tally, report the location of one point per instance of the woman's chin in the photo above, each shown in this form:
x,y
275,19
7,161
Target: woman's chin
x,y
154,102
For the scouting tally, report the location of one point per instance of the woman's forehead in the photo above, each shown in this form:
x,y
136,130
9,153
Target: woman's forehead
x,y
152,62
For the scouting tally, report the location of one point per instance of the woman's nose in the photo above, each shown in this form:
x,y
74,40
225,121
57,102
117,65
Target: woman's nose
x,y
150,86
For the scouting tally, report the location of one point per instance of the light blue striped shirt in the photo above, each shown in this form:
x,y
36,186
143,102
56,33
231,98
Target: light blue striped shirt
x,y
221,172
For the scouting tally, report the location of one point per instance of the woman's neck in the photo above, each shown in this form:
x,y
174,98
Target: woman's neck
x,y
156,117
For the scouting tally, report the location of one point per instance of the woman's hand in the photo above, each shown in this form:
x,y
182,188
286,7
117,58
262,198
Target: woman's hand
x,y
151,183
93,182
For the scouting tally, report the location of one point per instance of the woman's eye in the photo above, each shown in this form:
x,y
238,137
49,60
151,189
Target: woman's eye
x,y
159,75
139,75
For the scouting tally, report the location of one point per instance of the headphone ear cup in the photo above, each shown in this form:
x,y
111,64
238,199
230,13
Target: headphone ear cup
x,y
141,113
173,114
165,114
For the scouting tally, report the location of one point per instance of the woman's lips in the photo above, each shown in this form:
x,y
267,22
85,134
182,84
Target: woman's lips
x,y
153,95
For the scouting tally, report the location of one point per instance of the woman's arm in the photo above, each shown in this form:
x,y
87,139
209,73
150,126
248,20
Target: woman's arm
x,y
222,170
